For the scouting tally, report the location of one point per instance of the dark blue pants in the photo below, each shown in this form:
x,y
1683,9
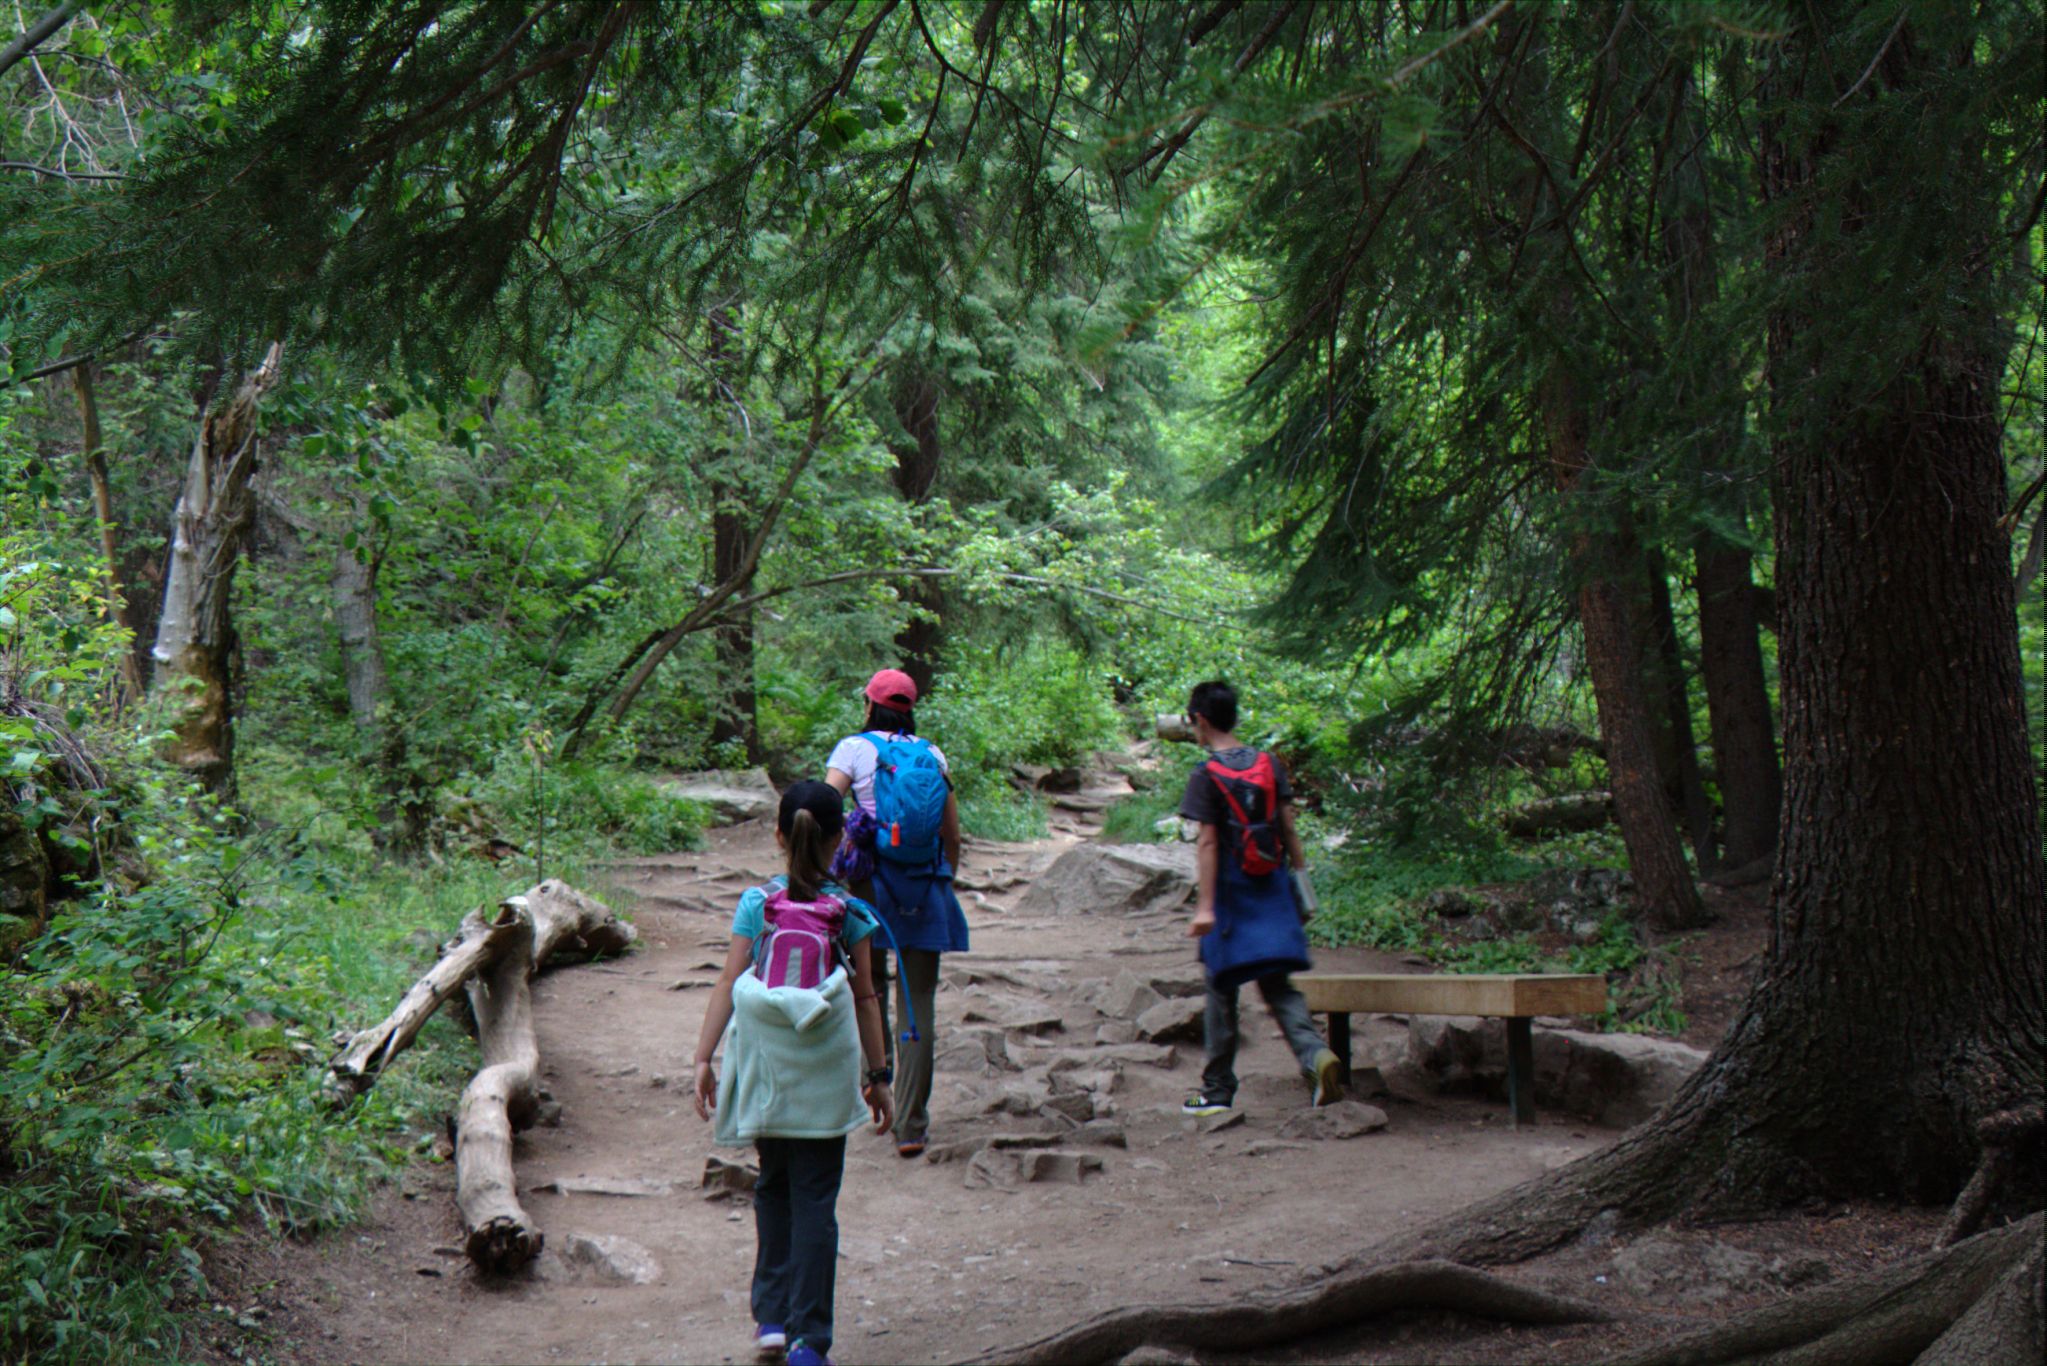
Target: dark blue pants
x,y
796,1221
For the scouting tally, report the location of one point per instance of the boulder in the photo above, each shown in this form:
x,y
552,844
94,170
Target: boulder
x,y
1086,1059
1176,1020
730,795
1113,879
1116,1031
1077,1106
724,1178
1124,996
608,1259
1614,1079
1344,1119
983,1050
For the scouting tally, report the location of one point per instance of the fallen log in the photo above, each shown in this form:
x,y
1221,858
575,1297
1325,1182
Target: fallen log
x,y
503,1095
1258,1321
565,921
356,1067
1558,815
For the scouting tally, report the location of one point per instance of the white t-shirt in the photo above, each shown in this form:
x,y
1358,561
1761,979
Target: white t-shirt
x,y
857,757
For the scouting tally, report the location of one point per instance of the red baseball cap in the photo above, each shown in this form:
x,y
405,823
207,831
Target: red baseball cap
x,y
892,688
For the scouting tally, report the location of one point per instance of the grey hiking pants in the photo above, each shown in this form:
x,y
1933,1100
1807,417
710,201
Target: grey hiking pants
x,y
916,976
1219,1025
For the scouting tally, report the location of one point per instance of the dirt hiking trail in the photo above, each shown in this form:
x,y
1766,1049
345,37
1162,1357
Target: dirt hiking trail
x,y
939,1259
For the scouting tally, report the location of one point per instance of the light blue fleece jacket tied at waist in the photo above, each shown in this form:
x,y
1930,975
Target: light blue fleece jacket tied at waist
x,y
792,1063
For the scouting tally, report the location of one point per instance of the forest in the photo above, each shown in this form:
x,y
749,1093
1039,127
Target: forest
x,y
1604,441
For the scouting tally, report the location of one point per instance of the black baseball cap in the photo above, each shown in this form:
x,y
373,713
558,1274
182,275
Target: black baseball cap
x,y
821,800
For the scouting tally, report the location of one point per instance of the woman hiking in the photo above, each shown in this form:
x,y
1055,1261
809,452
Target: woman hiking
x,y
903,842
797,977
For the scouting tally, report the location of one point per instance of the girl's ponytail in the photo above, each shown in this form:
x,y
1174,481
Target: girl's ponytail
x,y
810,855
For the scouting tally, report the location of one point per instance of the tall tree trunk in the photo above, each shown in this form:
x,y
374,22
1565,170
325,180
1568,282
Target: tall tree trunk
x,y
735,706
400,816
195,638
103,510
1903,998
736,714
1663,884
1683,784
1730,653
1737,700
916,472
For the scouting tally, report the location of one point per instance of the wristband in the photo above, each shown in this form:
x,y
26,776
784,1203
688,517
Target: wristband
x,y
880,1076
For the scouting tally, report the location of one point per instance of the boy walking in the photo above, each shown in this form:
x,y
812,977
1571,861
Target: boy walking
x,y
1245,912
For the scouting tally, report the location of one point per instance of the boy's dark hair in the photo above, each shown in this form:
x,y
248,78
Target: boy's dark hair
x,y
898,720
1216,701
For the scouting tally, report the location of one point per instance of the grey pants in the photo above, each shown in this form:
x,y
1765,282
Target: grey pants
x,y
916,976
1219,1024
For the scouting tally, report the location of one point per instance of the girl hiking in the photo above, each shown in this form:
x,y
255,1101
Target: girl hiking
x,y
798,975
902,844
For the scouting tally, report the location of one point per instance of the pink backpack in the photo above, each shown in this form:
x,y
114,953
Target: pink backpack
x,y
800,945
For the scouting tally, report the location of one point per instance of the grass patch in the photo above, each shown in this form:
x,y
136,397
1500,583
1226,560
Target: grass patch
x,y
1004,814
161,1058
1134,819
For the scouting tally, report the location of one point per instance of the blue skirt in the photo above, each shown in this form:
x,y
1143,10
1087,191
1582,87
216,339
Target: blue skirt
x,y
918,904
1257,928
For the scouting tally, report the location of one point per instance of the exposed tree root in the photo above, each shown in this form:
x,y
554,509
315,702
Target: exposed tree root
x,y
1888,1317
2010,1139
1265,1320
503,1095
565,921
2007,1327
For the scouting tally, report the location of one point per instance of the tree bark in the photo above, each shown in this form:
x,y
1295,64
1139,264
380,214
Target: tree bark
x,y
1730,655
502,1096
1903,997
195,637
1737,701
1269,1319
735,714
916,473
1683,784
103,510
735,709
401,816
1663,884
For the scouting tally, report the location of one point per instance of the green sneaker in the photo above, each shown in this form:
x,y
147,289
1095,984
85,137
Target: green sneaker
x,y
1327,1078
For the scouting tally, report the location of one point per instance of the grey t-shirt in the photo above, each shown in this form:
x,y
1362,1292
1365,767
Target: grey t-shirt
x,y
1203,800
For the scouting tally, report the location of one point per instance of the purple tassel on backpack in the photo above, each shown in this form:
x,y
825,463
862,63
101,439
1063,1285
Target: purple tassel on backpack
x,y
853,863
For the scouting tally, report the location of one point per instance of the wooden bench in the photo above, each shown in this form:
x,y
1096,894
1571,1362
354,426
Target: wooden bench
x,y
1515,996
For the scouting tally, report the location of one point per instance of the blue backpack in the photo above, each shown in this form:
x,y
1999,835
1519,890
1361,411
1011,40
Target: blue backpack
x,y
909,799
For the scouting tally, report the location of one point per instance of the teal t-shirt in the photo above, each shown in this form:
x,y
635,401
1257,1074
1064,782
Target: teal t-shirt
x,y
750,920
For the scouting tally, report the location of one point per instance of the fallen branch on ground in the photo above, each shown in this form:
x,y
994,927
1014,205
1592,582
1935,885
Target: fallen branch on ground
x,y
502,1096
1266,1320
565,921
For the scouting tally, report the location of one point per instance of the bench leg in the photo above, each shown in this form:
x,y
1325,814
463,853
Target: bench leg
x,y
1520,1071
1339,1043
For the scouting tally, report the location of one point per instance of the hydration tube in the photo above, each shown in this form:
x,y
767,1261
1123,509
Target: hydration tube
x,y
909,1035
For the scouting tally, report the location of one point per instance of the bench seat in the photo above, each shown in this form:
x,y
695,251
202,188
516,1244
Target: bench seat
x,y
1516,997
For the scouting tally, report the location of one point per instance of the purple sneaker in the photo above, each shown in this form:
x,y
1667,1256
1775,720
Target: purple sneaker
x,y
769,1341
802,1353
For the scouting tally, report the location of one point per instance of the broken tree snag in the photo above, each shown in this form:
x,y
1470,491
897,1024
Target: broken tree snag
x,y
355,1069
1888,1316
565,921
502,1096
1331,1302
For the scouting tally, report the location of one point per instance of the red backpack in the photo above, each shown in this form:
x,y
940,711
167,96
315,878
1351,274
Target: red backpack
x,y
1252,794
